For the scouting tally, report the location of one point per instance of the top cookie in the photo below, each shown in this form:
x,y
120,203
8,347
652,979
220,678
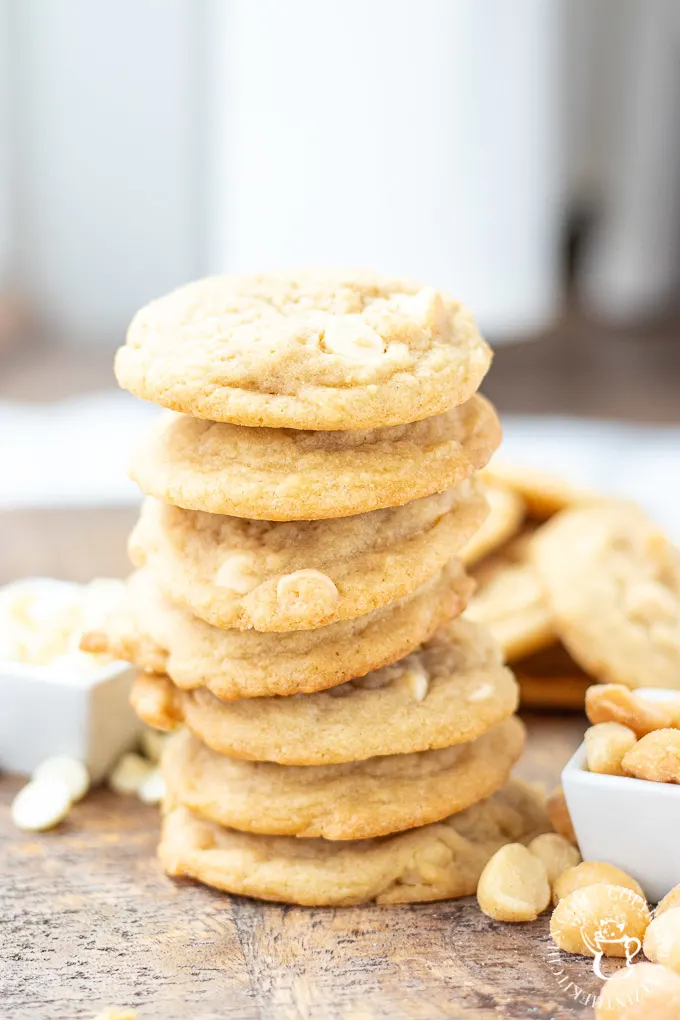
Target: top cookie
x,y
306,350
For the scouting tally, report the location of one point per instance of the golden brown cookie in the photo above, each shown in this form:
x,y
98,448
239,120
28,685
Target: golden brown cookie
x,y
439,861
304,350
282,576
550,679
288,475
510,601
543,493
506,513
448,692
354,800
162,638
613,584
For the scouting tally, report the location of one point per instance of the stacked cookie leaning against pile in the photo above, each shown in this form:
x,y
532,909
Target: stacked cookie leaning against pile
x,y
343,735
576,588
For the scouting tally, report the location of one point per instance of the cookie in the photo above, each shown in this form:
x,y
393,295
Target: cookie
x,y
305,350
355,800
510,601
543,493
450,691
439,861
551,679
285,475
163,638
613,584
506,513
282,576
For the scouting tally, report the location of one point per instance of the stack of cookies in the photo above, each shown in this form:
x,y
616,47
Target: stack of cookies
x,y
575,587
343,735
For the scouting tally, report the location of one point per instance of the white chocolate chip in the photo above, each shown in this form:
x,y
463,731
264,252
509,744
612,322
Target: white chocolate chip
x,y
130,773
153,742
41,805
481,693
237,574
426,307
152,789
70,770
418,683
353,338
307,593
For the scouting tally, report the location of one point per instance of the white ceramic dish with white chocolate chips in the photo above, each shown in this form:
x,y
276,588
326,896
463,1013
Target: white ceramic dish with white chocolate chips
x,y
54,699
632,823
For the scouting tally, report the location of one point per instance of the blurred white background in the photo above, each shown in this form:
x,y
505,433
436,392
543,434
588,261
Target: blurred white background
x,y
146,142
524,154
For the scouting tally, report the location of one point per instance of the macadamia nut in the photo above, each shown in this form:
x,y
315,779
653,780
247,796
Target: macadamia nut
x,y
655,757
616,703
662,939
643,992
601,918
593,873
670,900
514,885
606,744
556,852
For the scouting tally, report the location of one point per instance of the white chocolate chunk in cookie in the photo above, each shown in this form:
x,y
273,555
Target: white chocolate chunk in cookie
x,y
237,574
307,593
481,693
418,683
351,337
426,307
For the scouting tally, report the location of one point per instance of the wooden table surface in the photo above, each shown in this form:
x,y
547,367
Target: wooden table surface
x,y
87,919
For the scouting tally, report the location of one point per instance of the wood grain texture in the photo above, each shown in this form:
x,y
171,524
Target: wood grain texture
x,y
87,920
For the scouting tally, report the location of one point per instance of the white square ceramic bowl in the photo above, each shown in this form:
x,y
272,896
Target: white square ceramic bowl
x,y
85,715
632,823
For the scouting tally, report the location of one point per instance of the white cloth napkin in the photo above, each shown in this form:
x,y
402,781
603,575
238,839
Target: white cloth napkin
x,y
639,462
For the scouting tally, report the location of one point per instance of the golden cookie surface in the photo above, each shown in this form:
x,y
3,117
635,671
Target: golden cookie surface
x,y
450,691
287,475
613,585
283,576
305,350
543,493
354,800
162,638
510,601
439,861
504,520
